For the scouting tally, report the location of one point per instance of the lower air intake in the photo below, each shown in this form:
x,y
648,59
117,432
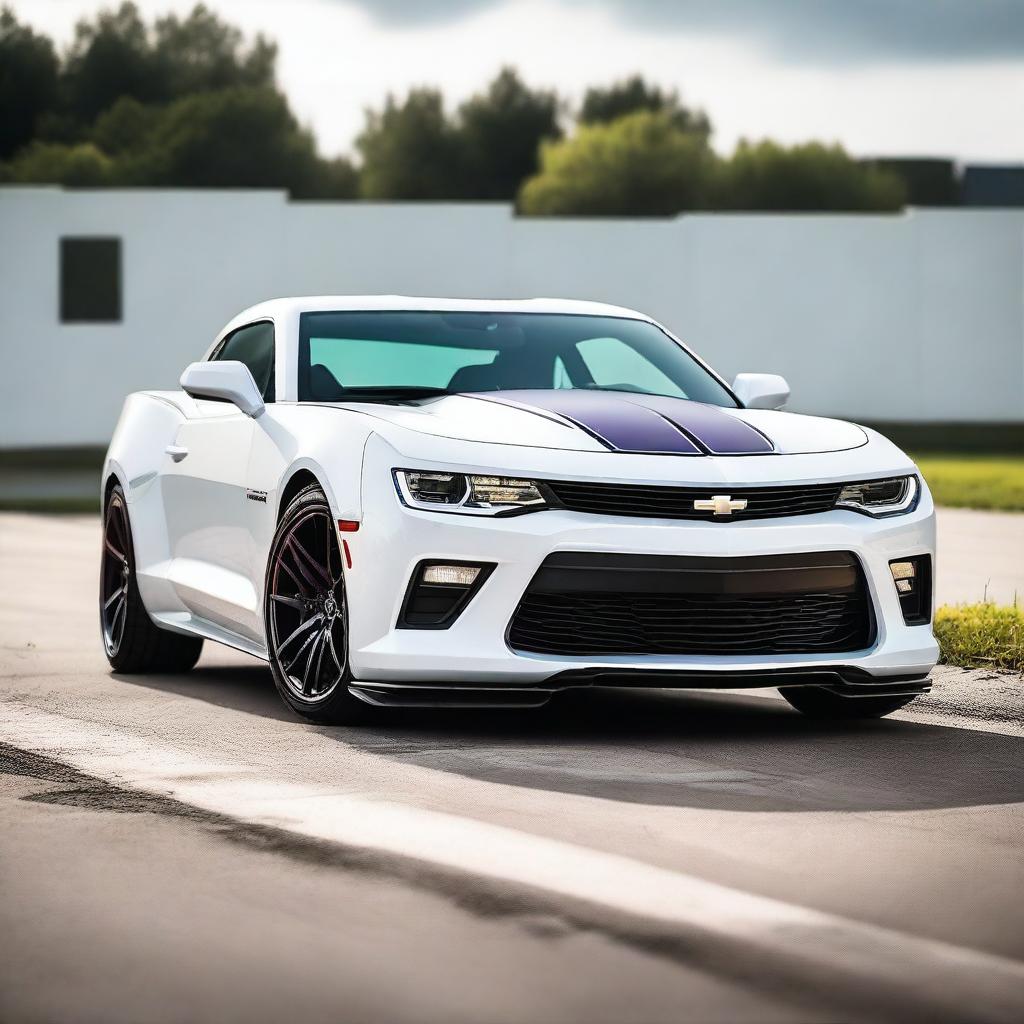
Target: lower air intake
x,y
583,604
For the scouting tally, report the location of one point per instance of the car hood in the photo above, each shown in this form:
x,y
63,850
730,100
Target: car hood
x,y
603,421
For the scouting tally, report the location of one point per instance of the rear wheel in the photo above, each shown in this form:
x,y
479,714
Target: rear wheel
x,y
818,703
131,641
306,613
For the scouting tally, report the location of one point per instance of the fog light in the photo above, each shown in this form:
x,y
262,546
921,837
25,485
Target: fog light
x,y
912,578
457,575
903,571
439,591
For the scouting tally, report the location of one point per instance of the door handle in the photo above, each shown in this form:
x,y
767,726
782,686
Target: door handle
x,y
176,452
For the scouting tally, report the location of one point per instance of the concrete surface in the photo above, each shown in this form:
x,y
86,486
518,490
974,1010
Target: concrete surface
x,y
181,848
981,556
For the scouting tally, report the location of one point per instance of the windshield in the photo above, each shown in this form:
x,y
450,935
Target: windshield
x,y
385,356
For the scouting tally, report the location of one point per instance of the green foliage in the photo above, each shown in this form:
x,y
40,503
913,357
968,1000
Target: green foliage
x,y
28,82
975,481
410,150
81,164
117,55
188,101
500,133
125,128
767,176
185,102
642,164
983,635
235,137
601,106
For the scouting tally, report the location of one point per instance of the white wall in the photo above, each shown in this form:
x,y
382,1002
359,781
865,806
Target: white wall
x,y
914,317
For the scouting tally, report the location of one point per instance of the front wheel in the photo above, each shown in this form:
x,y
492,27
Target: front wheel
x,y
305,612
818,703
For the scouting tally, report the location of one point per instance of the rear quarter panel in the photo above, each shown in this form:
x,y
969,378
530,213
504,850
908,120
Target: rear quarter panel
x,y
148,423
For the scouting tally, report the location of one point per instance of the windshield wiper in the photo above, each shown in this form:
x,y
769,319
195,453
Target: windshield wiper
x,y
393,393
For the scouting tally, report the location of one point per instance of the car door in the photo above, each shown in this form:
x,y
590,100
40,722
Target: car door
x,y
206,495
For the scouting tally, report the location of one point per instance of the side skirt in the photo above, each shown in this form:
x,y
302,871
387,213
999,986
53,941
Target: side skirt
x,y
192,625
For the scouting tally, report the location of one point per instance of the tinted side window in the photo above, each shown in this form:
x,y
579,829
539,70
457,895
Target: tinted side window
x,y
254,346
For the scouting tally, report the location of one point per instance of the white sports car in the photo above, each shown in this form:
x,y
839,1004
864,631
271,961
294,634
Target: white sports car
x,y
424,502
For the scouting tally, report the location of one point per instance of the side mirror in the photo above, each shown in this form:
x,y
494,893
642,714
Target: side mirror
x,y
761,390
229,381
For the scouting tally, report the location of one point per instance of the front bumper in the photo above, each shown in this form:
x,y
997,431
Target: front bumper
x,y
473,651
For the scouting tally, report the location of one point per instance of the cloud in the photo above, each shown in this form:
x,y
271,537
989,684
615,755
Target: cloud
x,y
804,31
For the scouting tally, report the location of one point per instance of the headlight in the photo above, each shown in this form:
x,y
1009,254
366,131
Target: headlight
x,y
880,497
469,495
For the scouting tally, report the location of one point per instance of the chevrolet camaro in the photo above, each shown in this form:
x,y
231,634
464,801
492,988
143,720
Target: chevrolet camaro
x,y
436,502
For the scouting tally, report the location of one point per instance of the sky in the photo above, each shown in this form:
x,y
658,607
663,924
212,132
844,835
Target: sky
x,y
882,77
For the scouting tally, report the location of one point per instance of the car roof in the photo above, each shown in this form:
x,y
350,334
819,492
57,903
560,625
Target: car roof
x,y
284,308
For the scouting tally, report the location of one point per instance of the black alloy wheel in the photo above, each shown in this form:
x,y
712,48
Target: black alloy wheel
x,y
306,613
131,640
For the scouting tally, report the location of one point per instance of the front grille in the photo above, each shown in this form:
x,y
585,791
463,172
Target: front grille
x,y
655,502
583,604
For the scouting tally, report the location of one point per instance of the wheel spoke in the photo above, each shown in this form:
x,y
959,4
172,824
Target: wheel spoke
x,y
300,629
320,654
334,653
113,597
301,584
112,550
309,680
307,563
298,654
118,621
292,602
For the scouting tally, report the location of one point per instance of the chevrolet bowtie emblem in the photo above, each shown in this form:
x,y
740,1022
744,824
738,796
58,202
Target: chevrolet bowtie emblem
x,y
720,504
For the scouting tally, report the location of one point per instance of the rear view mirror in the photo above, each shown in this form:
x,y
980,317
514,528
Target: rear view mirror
x,y
761,390
228,381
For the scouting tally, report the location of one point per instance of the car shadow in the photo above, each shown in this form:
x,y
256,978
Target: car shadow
x,y
677,748
708,750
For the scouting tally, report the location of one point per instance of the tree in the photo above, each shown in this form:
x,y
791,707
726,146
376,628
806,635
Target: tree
x,y
117,55
239,138
600,106
500,132
202,53
109,58
59,164
126,127
28,82
410,150
767,176
640,165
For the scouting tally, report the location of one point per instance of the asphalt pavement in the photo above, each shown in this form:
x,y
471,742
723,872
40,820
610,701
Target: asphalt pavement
x,y
181,848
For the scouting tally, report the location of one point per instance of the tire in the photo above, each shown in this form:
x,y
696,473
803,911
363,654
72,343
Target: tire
x,y
131,641
818,703
305,613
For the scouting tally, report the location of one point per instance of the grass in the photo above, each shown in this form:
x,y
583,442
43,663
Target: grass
x,y
975,481
983,635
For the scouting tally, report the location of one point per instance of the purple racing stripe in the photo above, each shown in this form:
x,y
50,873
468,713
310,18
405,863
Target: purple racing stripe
x,y
716,430
623,425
